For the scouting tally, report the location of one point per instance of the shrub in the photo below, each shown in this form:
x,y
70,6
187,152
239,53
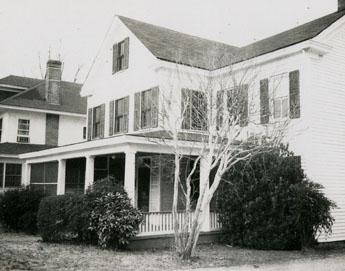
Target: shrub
x,y
114,220
102,216
268,203
64,218
18,209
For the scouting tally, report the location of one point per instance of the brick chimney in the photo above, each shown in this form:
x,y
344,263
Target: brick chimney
x,y
53,79
341,5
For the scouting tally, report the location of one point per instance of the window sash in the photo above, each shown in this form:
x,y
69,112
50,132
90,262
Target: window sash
x,y
23,131
280,107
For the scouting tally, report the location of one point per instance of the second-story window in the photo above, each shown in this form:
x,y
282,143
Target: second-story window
x,y
279,87
23,135
120,55
194,110
121,115
95,122
146,109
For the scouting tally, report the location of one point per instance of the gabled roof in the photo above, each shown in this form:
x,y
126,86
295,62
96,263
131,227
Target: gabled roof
x,y
18,148
189,50
170,45
34,97
20,81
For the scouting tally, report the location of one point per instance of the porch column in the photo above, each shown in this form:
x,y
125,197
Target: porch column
x,y
204,177
89,171
61,177
26,172
130,175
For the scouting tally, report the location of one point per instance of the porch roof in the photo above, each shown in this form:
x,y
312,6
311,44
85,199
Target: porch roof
x,y
114,144
14,149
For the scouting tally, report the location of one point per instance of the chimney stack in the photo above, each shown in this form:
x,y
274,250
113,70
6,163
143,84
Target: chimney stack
x,y
53,79
341,5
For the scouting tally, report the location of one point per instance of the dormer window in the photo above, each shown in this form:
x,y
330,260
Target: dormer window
x,y
120,55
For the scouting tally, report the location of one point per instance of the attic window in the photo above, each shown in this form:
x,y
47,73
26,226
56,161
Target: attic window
x,y
120,55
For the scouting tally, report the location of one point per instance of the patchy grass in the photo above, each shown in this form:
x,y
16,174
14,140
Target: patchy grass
x,y
23,252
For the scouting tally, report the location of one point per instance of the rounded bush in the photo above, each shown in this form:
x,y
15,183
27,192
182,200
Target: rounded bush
x,y
114,220
18,209
268,203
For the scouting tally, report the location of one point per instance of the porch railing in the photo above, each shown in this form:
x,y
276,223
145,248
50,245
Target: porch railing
x,y
155,223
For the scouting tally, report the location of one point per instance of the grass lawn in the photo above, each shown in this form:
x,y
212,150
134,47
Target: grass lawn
x,y
24,252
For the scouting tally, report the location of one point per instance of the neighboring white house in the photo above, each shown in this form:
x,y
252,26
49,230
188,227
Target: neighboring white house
x,y
37,114
299,75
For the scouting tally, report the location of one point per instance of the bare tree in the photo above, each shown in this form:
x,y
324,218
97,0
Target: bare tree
x,y
219,117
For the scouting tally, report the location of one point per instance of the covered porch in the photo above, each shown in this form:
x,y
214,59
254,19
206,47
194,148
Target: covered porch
x,y
142,167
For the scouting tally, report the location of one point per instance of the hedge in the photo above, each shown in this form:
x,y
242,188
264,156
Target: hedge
x,y
18,209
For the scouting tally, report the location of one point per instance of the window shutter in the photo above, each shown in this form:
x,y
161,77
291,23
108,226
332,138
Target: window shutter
x,y
89,124
115,54
264,102
154,106
102,115
294,94
136,111
126,58
220,108
126,109
111,117
244,106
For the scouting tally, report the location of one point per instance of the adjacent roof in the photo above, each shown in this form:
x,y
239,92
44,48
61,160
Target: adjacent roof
x,y
189,50
170,45
18,148
20,81
71,101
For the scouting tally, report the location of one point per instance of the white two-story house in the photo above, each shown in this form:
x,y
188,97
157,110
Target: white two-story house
x,y
299,76
37,114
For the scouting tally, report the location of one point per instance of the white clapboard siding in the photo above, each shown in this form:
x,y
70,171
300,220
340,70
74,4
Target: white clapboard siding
x,y
326,161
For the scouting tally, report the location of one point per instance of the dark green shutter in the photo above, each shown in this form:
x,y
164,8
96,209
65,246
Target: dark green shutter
x,y
111,117
102,119
244,105
136,111
294,94
89,124
264,102
126,58
115,55
154,107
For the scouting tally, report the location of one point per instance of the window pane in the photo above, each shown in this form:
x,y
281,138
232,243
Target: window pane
x,y
13,175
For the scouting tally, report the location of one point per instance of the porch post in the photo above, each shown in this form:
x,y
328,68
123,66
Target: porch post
x,y
26,172
89,171
205,178
61,177
130,175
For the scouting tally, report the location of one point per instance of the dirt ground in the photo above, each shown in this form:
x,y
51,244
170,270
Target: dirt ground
x,y
24,252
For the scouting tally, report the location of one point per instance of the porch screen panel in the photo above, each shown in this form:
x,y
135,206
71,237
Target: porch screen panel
x,y
43,177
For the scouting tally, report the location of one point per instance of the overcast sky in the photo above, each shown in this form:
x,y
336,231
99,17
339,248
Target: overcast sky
x,y
74,29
